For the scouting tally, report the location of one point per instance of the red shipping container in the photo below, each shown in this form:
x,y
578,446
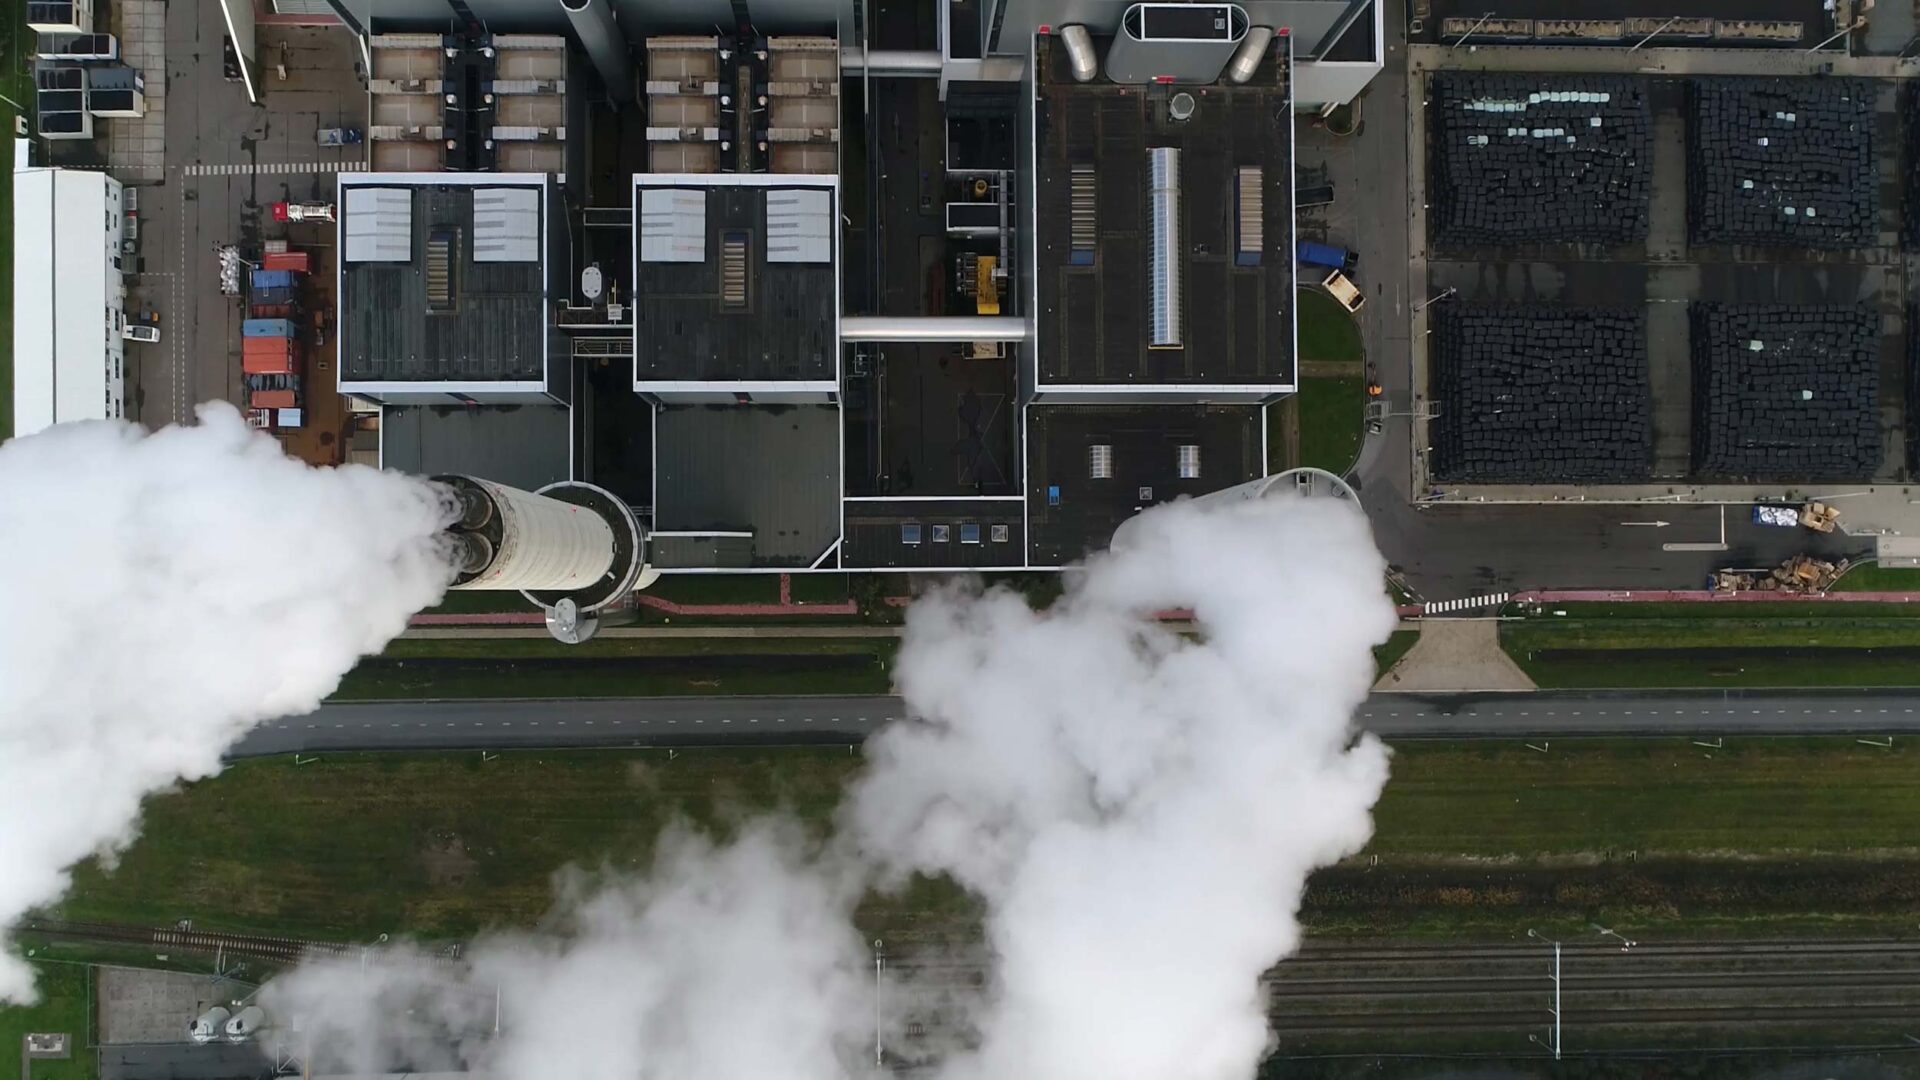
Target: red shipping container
x,y
274,399
270,311
274,356
299,262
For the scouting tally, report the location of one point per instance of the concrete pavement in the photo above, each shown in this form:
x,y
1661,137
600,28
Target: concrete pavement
x,y
703,721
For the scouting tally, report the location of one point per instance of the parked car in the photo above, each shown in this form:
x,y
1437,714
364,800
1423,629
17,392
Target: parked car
x,y
143,332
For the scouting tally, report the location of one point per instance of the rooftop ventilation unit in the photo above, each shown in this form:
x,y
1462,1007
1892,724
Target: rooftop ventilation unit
x,y
442,245
1100,461
1164,208
733,269
1189,459
1084,199
1250,212
1180,43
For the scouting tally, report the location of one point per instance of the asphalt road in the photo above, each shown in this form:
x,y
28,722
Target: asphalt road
x,y
663,721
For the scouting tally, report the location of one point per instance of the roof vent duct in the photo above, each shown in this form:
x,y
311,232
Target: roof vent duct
x,y
1252,50
1180,43
1080,52
600,36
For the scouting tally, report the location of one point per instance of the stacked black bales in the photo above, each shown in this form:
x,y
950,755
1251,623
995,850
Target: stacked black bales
x,y
1910,220
1785,393
1533,158
1784,162
1540,395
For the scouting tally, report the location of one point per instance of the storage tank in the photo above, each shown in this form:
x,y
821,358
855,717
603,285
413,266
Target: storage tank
x,y
246,1023
571,548
211,1025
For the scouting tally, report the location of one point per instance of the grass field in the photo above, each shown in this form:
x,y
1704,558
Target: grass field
x,y
1327,332
620,667
1872,577
63,1009
1389,654
1332,412
1808,645
441,845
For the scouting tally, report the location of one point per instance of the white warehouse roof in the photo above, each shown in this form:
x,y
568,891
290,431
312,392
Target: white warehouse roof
x,y
68,298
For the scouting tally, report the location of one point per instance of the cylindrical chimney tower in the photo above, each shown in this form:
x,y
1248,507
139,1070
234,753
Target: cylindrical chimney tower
x,y
571,548
600,35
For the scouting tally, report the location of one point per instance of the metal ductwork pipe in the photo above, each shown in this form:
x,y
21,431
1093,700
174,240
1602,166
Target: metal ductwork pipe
x,y
1252,50
932,328
571,548
1079,43
606,46
885,62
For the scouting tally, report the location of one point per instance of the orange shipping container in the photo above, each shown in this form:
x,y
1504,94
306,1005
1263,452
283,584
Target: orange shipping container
x,y
297,261
274,399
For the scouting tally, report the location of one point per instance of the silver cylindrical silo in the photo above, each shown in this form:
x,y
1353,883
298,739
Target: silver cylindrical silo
x,y
210,1025
531,543
246,1023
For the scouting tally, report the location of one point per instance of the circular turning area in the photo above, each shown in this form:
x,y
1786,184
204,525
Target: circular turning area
x,y
1308,481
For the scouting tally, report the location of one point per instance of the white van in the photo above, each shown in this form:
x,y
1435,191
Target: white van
x,y
140,332
1344,291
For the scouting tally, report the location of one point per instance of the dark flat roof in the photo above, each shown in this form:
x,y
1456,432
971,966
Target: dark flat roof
x,y
1093,318
524,446
1145,441
875,538
686,332
494,330
773,470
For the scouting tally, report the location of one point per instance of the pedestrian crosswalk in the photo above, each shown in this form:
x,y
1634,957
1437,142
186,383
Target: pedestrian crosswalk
x,y
1489,600
275,168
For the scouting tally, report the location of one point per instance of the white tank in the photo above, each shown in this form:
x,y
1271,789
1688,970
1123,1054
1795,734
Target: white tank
x,y
246,1023
211,1025
538,544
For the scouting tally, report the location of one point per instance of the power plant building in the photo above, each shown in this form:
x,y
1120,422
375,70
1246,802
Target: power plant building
x,y
966,289
69,317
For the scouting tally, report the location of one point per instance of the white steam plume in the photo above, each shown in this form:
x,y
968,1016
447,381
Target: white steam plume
x,y
736,962
160,594
1140,811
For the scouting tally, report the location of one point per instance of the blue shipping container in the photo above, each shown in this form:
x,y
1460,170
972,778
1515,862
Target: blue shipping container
x,y
272,279
1308,253
282,328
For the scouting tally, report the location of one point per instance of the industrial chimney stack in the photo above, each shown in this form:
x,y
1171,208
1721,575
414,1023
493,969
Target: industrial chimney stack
x,y
572,548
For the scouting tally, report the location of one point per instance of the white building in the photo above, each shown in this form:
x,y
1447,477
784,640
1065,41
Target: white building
x,y
68,298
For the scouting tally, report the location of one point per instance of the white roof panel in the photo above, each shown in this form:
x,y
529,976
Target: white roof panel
x,y
506,225
378,224
673,225
799,225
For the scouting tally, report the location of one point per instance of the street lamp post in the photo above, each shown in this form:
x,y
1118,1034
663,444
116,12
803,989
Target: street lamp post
x,y
1555,975
879,959
1477,25
1655,33
1624,943
1432,300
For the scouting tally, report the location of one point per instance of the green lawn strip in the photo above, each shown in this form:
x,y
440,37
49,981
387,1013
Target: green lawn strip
x,y
1332,411
1714,610
1723,652
1327,332
619,667
1396,646
63,1009
1471,836
1872,577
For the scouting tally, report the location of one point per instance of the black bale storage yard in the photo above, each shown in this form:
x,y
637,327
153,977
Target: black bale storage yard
x,y
1785,393
1533,158
1784,162
1541,395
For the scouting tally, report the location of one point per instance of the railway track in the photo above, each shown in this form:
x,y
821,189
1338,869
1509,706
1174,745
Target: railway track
x,y
280,949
